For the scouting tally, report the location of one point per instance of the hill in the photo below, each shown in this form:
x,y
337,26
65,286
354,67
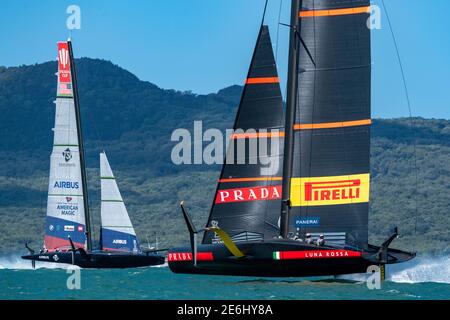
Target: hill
x,y
133,121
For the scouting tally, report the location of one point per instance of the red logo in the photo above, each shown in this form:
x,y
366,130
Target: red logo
x,y
80,228
332,190
64,62
248,194
187,256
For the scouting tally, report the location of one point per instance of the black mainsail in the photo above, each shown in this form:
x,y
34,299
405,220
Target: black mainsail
x,y
249,190
329,187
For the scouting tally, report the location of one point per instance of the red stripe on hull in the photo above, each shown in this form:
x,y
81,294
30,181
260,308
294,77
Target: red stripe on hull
x,y
318,254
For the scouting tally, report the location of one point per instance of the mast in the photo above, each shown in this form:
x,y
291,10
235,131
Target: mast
x,y
291,104
81,147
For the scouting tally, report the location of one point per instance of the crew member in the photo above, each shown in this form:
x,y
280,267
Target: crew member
x,y
309,239
297,235
321,240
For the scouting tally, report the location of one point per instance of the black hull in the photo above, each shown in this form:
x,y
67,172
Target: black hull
x,y
99,260
260,260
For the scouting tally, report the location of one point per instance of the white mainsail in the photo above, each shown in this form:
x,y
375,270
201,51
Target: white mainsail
x,y
117,232
65,206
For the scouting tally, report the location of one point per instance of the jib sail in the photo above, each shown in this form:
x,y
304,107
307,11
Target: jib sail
x,y
65,207
117,232
247,201
331,149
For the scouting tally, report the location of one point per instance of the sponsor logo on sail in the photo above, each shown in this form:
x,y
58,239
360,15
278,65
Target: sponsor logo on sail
x,y
119,241
66,185
66,165
64,58
69,228
65,89
248,194
309,222
64,62
67,154
67,209
324,191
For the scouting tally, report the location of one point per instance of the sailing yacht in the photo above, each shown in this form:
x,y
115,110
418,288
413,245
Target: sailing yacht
x,y
310,216
68,236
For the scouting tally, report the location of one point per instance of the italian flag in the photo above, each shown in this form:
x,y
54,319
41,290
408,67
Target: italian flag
x,y
277,255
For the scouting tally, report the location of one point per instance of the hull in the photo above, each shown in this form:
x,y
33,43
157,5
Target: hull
x,y
99,260
278,258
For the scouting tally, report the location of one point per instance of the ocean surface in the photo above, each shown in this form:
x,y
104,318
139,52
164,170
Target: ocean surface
x,y
422,278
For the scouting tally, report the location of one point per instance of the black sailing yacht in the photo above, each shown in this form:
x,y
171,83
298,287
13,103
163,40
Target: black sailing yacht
x,y
323,184
68,237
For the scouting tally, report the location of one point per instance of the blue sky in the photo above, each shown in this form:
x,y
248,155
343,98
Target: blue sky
x,y
206,45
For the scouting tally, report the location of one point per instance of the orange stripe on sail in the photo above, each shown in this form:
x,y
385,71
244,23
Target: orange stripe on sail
x,y
333,12
257,135
333,125
251,179
262,80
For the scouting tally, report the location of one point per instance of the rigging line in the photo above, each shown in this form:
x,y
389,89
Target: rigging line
x,y
302,43
412,124
314,109
264,14
278,30
307,49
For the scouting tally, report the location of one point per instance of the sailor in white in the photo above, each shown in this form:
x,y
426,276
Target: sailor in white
x,y
321,241
297,235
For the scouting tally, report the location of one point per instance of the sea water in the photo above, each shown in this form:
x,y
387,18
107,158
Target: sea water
x,y
422,278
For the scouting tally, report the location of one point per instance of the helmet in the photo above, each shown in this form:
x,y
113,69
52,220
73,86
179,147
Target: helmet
x,y
322,236
308,235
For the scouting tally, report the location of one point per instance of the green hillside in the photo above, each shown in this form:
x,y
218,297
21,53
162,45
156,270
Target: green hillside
x,y
133,121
